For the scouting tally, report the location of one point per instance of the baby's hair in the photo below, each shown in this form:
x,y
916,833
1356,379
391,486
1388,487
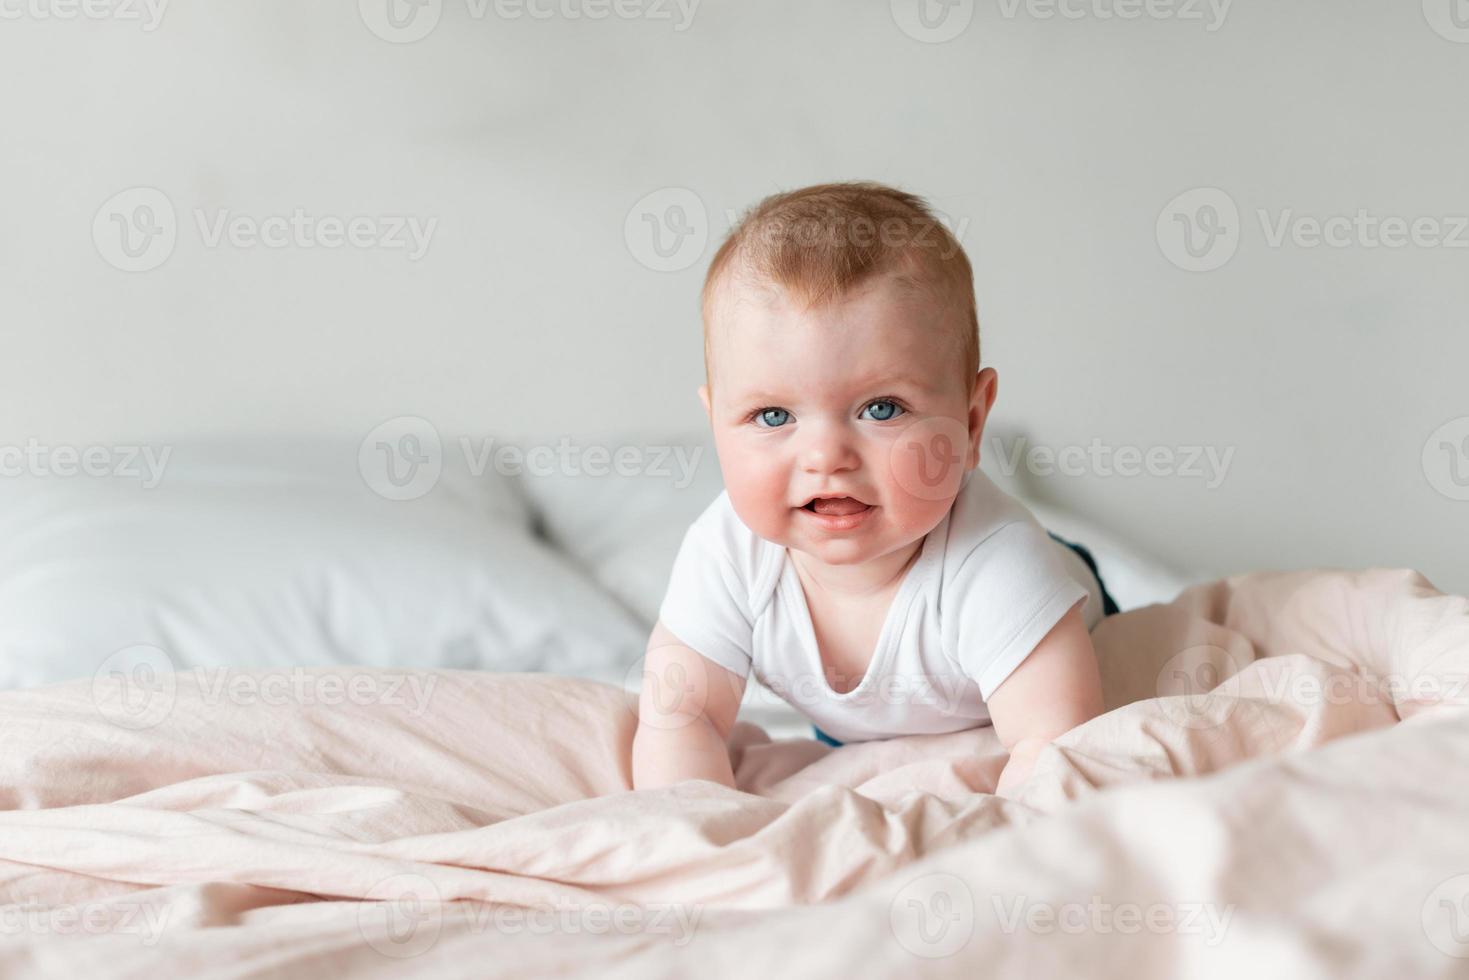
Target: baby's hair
x,y
823,241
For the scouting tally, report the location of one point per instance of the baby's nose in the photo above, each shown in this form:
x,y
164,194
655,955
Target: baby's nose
x,y
829,450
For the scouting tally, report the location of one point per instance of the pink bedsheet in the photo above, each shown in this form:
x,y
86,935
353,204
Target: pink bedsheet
x,y
1279,788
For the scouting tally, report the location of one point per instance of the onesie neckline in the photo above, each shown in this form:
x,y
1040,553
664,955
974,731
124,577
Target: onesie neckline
x,y
795,596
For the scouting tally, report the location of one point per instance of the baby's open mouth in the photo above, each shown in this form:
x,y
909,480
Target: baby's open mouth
x,y
835,506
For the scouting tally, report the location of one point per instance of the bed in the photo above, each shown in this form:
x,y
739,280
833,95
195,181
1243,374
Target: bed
x,y
262,719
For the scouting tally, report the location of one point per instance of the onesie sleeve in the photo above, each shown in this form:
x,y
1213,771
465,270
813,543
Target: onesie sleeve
x,y
1003,600
707,602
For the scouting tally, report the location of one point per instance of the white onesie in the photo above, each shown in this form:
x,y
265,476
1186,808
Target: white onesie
x,y
987,586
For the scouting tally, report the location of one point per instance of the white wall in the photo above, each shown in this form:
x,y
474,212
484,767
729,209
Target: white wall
x,y
1055,143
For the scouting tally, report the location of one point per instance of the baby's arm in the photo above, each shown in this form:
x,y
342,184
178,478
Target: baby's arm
x,y
686,709
1055,688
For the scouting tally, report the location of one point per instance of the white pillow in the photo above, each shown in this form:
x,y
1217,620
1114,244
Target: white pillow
x,y
264,552
626,529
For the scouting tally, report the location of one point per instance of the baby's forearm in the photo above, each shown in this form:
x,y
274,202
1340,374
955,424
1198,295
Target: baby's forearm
x,y
662,756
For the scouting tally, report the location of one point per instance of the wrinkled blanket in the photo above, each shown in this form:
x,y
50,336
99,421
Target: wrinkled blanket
x,y
1280,788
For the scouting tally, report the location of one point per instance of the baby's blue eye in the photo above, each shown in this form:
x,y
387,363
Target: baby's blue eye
x,y
773,418
884,410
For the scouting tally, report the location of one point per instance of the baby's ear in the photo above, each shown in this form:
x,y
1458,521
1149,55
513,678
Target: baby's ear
x,y
981,400
704,397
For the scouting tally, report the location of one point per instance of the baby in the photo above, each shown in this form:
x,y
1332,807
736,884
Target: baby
x,y
857,560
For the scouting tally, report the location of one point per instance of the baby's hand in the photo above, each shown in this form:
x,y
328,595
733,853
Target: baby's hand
x,y
1017,770
1053,690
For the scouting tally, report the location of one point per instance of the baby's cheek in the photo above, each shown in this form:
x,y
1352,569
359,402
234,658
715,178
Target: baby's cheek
x,y
915,517
924,469
758,495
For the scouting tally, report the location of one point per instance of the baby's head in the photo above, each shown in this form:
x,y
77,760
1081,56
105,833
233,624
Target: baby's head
x,y
841,350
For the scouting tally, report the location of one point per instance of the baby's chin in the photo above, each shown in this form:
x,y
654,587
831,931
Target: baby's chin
x,y
835,555
835,551
840,550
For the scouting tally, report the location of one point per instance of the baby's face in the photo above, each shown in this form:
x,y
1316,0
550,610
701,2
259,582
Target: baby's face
x,y
861,398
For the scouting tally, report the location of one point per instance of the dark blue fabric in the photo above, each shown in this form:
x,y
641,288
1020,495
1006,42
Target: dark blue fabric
x,y
1108,605
1108,608
823,737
